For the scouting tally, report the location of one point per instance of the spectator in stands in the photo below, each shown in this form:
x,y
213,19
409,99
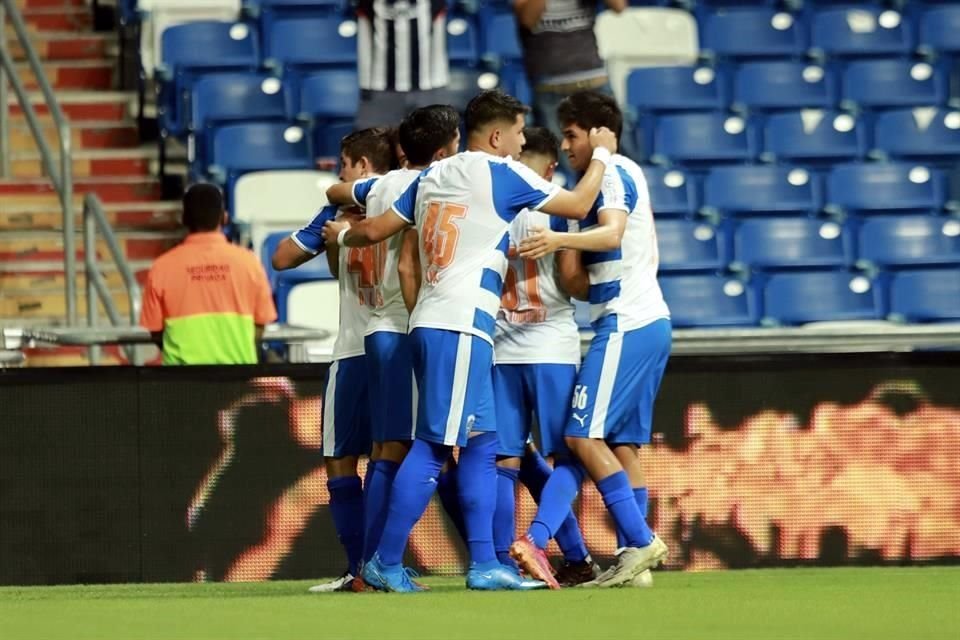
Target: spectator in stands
x,y
402,59
206,300
560,54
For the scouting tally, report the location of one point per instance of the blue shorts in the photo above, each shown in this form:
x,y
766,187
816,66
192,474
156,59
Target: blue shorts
x,y
618,383
346,416
525,390
455,382
390,375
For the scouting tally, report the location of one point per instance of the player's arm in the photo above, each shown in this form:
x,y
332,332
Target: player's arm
x,y
529,12
409,269
366,232
571,276
344,193
577,203
304,244
605,236
616,6
289,255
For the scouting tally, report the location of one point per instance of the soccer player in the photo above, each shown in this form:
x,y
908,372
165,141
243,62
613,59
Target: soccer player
x,y
346,422
426,135
537,349
462,208
612,403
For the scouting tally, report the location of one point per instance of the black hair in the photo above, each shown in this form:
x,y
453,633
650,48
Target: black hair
x,y
541,141
426,130
202,207
589,109
492,106
372,144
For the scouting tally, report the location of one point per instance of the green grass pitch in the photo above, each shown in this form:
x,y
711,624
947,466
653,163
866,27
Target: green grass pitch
x,y
896,603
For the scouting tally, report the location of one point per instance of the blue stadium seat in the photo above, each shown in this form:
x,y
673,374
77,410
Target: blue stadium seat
x,y
783,84
926,296
295,43
232,97
940,29
672,192
694,138
813,136
501,44
513,80
752,33
465,84
194,48
925,133
328,99
860,31
709,301
687,88
257,146
688,246
790,243
884,187
892,83
910,241
463,40
761,190
820,296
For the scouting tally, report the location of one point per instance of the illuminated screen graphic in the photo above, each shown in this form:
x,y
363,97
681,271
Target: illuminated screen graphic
x,y
216,474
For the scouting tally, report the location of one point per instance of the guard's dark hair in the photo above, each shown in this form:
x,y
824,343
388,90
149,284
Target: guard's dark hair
x,y
541,141
427,130
589,109
372,144
202,207
492,106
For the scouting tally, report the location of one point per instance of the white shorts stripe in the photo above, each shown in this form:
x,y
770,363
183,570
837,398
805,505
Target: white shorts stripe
x,y
458,395
608,376
329,411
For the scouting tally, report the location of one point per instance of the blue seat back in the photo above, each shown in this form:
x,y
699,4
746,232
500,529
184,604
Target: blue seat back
x,y
672,192
761,190
501,43
940,29
709,301
904,241
313,42
703,138
688,246
259,146
753,33
819,296
463,40
674,89
210,45
783,84
813,136
220,98
879,187
329,94
464,84
791,243
860,31
920,133
926,296
892,83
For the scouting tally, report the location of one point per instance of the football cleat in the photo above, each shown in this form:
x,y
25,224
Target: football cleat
x,y
534,561
500,578
572,574
343,583
631,562
384,578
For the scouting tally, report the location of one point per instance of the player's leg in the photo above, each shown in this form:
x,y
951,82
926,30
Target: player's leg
x,y
346,437
513,419
448,490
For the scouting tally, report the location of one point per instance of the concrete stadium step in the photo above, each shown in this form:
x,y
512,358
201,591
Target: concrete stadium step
x,y
84,105
66,45
59,18
152,216
31,246
92,75
89,163
49,4
52,304
84,134
14,194
53,281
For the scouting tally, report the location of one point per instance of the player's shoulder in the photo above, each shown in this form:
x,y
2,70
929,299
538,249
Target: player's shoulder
x,y
628,171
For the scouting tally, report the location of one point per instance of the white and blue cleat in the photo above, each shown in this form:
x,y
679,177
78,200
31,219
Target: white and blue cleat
x,y
500,578
385,578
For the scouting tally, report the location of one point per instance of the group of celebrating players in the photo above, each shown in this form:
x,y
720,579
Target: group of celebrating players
x,y
456,274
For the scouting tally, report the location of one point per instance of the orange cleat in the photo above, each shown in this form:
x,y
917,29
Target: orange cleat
x,y
534,561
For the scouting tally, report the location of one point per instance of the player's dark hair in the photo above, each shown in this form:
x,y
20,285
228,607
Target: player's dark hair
x,y
589,109
426,130
393,135
372,144
541,141
202,207
492,106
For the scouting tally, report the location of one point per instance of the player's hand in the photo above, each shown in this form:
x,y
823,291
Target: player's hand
x,y
332,229
603,137
540,242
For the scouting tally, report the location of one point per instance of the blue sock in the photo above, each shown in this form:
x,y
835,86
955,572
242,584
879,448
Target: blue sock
x,y
534,473
505,520
478,496
448,488
641,497
413,487
555,501
346,507
622,505
377,503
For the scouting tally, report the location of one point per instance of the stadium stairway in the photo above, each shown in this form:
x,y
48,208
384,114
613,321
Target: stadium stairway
x,y
108,159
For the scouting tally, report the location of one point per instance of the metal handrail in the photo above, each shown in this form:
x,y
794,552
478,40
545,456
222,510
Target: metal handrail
x,y
94,221
62,179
